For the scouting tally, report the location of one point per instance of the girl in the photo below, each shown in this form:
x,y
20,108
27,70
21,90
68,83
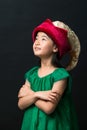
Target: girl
x,y
46,94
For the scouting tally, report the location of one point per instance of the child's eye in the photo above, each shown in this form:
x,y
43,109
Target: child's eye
x,y
44,39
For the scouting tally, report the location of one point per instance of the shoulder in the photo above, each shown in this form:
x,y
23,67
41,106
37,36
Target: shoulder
x,y
60,73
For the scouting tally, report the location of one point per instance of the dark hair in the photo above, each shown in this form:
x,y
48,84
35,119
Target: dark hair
x,y
56,60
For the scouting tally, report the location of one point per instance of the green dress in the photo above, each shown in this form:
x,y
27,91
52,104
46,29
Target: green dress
x,y
64,116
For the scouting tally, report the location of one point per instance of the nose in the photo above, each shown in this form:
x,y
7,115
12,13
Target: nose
x,y
37,42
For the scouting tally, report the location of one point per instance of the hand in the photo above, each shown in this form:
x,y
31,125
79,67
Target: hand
x,y
53,97
47,95
24,91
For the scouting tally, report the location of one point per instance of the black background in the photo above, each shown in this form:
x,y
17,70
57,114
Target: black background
x,y
17,20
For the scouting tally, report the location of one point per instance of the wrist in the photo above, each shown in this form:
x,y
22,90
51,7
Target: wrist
x,y
36,94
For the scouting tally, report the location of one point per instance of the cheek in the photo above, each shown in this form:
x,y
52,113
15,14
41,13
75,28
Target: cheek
x,y
48,49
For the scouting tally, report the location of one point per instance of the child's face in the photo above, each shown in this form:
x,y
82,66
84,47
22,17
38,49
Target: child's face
x,y
43,45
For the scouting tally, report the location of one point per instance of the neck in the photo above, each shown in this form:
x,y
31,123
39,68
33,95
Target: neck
x,y
46,63
46,68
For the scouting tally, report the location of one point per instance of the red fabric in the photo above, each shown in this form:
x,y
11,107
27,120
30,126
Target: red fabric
x,y
58,35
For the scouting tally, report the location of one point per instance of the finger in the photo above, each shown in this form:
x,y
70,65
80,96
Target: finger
x,y
53,95
56,94
52,99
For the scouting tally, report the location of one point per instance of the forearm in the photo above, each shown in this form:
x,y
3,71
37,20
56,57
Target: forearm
x,y
44,95
46,106
47,101
44,100
26,101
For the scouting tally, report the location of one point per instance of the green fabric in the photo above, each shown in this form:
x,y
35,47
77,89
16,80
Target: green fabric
x,y
64,116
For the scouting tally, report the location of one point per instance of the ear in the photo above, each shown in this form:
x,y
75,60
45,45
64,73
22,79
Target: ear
x,y
55,48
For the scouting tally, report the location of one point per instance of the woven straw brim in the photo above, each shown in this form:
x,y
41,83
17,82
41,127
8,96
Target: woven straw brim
x,y
74,43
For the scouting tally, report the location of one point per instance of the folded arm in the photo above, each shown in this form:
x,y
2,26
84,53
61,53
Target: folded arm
x,y
44,100
48,106
26,96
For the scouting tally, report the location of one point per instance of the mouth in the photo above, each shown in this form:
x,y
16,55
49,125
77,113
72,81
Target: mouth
x,y
37,48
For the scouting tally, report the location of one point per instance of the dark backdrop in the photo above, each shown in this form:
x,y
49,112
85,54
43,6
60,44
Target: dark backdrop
x,y
17,20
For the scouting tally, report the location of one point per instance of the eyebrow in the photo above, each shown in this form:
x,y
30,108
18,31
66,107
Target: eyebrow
x,y
43,35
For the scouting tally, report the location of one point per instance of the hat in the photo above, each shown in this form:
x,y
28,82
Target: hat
x,y
74,43
58,35
63,37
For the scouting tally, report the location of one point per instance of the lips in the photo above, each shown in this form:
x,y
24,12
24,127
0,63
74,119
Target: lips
x,y
37,48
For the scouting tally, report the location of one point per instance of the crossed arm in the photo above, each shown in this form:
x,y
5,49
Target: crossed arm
x,y
44,100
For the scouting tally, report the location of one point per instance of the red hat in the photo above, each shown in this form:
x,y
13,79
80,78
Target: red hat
x,y
58,35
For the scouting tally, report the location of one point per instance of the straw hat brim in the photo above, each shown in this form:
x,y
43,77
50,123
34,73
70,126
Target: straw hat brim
x,y
74,43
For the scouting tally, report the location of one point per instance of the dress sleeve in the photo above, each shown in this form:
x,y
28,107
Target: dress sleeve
x,y
60,74
29,73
